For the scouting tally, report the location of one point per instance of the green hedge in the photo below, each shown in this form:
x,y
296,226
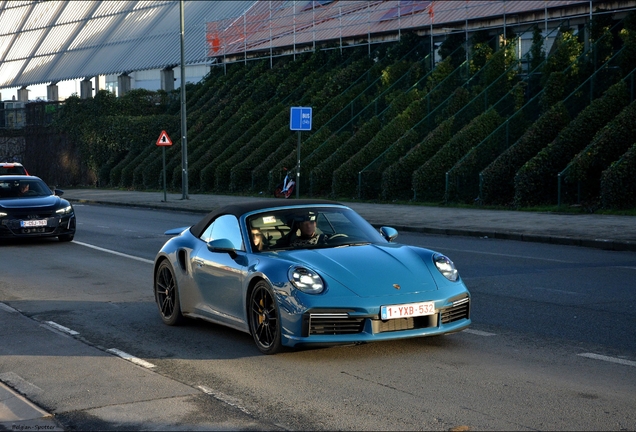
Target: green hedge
x,y
429,180
327,87
144,157
536,181
397,179
274,134
607,146
267,174
242,174
345,178
249,118
498,178
152,173
209,178
237,127
261,162
463,178
618,188
211,119
322,175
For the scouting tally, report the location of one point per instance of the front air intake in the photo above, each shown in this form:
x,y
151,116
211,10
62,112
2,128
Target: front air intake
x,y
460,309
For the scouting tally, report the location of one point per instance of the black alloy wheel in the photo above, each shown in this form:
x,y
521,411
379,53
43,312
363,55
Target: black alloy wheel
x,y
264,319
167,294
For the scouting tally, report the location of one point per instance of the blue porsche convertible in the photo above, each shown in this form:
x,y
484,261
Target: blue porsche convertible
x,y
306,273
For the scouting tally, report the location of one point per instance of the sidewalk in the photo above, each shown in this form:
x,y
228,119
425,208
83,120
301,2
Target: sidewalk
x,y
100,391
588,230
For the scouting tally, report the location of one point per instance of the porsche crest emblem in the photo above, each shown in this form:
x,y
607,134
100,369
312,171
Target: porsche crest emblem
x,y
396,286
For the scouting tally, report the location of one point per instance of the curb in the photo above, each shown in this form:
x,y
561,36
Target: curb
x,y
603,244
18,413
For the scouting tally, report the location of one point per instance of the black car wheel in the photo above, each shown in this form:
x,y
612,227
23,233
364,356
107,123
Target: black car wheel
x,y
264,319
167,295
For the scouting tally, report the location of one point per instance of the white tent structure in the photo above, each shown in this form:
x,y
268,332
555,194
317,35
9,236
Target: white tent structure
x,y
51,41
119,45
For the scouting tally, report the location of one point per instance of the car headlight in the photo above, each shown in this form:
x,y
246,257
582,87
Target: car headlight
x,y
446,267
2,214
306,280
65,210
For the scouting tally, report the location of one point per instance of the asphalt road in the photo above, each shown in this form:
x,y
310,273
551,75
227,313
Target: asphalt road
x,y
551,346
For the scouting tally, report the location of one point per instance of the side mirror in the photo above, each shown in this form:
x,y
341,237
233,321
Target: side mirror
x,y
222,245
58,192
389,233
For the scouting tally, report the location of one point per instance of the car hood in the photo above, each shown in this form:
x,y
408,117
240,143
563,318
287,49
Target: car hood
x,y
50,201
369,270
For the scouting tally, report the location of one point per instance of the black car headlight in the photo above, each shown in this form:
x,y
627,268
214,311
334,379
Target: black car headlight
x,y
2,214
446,267
64,211
306,280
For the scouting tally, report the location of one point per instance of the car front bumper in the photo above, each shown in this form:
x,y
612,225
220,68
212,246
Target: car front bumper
x,y
55,226
343,326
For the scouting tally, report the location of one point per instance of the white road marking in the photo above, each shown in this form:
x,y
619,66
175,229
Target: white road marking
x,y
132,359
62,328
479,332
114,252
7,308
232,401
609,359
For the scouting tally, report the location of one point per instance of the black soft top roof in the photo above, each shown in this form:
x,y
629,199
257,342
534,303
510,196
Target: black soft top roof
x,y
240,209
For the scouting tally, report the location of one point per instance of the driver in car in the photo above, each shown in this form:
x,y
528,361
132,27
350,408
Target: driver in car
x,y
305,234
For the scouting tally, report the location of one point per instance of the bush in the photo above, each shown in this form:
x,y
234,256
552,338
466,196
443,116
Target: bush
x,y
608,145
536,181
498,178
397,179
618,188
463,178
345,178
321,176
429,179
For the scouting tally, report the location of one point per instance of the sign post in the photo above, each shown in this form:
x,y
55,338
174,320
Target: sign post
x,y
299,120
164,141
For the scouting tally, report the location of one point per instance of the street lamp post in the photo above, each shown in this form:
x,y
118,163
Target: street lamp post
x,y
184,127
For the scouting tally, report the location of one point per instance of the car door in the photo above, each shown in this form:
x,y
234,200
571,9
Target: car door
x,y
219,276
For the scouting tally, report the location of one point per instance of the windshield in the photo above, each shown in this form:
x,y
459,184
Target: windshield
x,y
10,169
23,188
309,227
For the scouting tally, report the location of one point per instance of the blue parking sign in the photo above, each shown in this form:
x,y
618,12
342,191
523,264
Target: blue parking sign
x,y
300,118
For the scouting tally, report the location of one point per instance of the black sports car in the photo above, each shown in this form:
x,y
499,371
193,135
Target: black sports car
x,y
28,208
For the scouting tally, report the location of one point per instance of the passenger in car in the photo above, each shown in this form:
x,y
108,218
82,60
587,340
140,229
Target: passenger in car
x,y
257,239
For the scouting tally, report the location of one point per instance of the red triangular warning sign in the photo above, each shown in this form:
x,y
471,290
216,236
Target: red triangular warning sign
x,y
164,139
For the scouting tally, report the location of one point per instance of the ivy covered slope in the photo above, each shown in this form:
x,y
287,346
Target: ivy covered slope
x,y
108,130
536,181
608,145
618,188
498,177
385,125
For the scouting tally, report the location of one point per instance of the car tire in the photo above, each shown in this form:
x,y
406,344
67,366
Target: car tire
x,y
264,319
167,295
66,237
